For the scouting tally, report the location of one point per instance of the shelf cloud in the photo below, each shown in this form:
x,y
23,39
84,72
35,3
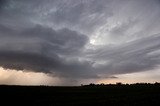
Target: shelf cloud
x,y
82,39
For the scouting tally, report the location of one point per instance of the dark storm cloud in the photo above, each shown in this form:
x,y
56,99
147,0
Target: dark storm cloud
x,y
63,40
2,2
45,50
54,36
22,60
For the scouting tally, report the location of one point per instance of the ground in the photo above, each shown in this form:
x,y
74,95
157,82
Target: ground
x,y
97,95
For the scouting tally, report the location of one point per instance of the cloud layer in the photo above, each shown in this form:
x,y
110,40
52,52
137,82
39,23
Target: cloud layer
x,y
81,39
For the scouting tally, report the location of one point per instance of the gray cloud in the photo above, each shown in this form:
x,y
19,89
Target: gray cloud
x,y
80,39
64,41
44,49
138,55
2,2
80,15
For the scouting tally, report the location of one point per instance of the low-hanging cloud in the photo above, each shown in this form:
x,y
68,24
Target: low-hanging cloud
x,y
45,50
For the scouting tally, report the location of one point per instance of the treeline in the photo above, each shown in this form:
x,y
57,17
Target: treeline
x,y
121,84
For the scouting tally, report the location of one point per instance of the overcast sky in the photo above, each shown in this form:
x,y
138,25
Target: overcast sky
x,y
68,42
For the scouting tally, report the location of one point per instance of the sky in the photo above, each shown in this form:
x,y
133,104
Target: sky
x,y
73,42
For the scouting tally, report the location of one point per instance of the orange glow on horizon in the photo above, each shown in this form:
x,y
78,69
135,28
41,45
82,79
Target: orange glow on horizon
x,y
14,77
139,77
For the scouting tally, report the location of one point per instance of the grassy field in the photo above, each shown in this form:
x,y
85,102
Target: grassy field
x,y
99,95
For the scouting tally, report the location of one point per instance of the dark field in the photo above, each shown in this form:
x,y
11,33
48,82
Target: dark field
x,y
99,95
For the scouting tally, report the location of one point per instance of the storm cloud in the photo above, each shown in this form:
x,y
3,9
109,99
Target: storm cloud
x,y
80,39
138,55
44,49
